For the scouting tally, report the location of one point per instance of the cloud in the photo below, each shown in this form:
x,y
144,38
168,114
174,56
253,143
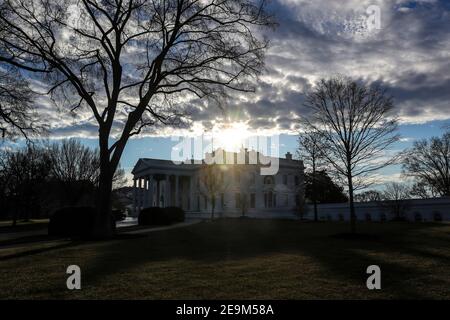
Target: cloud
x,y
409,55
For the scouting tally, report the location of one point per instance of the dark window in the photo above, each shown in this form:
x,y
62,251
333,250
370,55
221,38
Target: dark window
x,y
237,176
285,179
222,200
268,199
252,178
238,200
252,201
274,200
297,180
268,180
206,202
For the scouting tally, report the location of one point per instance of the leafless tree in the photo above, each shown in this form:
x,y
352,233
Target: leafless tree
x,y
27,169
127,61
395,199
17,113
211,184
368,196
77,168
429,162
310,151
357,127
422,190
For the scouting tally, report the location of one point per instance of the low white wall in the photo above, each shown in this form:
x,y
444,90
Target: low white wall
x,y
417,210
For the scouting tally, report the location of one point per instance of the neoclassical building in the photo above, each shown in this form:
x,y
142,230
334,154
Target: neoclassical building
x,y
229,181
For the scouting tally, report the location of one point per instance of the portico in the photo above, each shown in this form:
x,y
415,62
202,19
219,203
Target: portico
x,y
160,183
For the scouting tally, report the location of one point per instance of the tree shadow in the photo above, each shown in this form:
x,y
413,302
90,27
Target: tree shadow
x,y
31,252
232,240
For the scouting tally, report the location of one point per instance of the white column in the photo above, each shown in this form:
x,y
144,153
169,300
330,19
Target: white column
x,y
140,194
146,191
167,192
134,196
151,189
177,199
158,193
191,193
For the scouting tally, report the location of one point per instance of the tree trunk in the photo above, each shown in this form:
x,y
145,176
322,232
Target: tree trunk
x,y
104,226
213,205
314,198
352,205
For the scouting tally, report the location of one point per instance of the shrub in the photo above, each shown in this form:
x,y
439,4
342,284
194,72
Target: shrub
x,y
152,216
176,214
160,216
72,222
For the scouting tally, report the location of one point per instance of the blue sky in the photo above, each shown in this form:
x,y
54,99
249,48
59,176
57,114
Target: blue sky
x,y
161,147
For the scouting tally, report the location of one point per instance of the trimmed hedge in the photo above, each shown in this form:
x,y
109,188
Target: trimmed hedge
x,y
72,222
176,214
160,216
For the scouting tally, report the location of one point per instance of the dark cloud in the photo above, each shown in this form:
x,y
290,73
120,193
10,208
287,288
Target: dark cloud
x,y
409,55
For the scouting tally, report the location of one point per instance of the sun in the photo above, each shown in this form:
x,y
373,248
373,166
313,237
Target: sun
x,y
231,137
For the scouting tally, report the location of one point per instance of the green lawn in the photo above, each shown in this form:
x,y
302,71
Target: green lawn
x,y
240,259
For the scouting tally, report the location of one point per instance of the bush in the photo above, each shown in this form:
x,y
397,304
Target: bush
x,y
160,216
72,222
175,214
152,216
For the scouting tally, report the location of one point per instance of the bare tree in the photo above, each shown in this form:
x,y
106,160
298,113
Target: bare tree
x,y
27,170
368,196
77,168
310,152
211,184
395,199
17,114
126,62
422,190
429,162
356,125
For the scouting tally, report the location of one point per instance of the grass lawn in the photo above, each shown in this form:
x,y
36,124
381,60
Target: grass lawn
x,y
30,225
240,259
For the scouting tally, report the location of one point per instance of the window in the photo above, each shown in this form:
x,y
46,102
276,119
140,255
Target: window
x,y
297,180
286,200
238,200
206,202
252,201
198,203
252,178
297,199
275,200
222,200
285,179
268,180
268,199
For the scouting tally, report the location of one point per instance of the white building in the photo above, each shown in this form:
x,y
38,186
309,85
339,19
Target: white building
x,y
420,210
163,183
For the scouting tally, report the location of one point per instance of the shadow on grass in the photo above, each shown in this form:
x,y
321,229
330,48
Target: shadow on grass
x,y
39,250
232,240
